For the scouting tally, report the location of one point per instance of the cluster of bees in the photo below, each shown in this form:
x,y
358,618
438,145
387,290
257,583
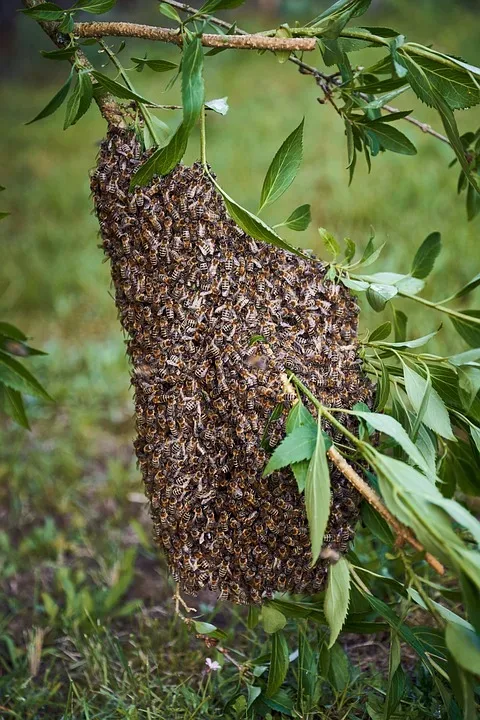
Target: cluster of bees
x,y
213,320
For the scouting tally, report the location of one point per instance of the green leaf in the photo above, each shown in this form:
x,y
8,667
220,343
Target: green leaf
x,y
45,11
357,285
377,525
278,663
331,244
218,105
307,671
252,225
158,65
296,446
396,678
426,255
350,249
55,102
213,5
415,343
473,202
79,101
383,389
283,168
253,616
193,86
163,160
468,330
67,25
252,694
96,7
299,219
371,253
317,494
62,54
390,138
12,332
436,415
339,668
334,18
471,285
273,619
15,376
12,405
378,295
464,644
381,332
337,598
169,12
388,425
463,358
447,614
299,416
117,89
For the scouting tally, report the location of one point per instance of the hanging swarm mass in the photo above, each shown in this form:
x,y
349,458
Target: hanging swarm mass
x,y
192,290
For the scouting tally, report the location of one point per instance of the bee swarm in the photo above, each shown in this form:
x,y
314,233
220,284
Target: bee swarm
x,y
192,290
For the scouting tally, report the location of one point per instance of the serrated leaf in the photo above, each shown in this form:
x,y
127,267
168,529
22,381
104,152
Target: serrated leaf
x,y
219,105
55,102
157,65
381,332
283,168
464,644
426,255
163,160
214,5
391,138
337,598
299,416
454,84
252,225
193,86
96,7
296,446
79,101
278,663
317,494
299,219
14,375
379,295
273,619
169,12
468,330
436,415
46,11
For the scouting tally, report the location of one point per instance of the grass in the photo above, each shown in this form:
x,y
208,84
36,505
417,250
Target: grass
x,y
86,619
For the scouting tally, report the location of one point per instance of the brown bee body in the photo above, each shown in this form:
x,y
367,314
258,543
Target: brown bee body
x,y
192,291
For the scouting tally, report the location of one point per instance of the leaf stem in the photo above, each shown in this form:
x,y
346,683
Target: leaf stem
x,y
143,110
448,311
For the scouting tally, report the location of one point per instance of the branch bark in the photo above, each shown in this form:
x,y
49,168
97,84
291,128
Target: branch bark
x,y
151,32
403,533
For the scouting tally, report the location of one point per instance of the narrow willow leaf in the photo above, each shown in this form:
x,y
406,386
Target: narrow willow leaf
x,y
193,86
15,376
337,598
358,285
473,202
11,403
299,219
317,494
436,415
163,160
218,105
381,332
117,89
79,101
447,614
391,138
214,5
426,255
255,227
296,446
253,616
307,671
273,619
469,330
169,12
62,54
377,525
46,11
382,100
55,102
350,249
379,295
464,358
400,321
464,644
158,65
96,7
10,331
284,167
331,243
390,426
466,289
396,679
383,390
371,254
415,343
278,663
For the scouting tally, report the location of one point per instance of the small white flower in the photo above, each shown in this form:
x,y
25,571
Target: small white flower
x,y
212,665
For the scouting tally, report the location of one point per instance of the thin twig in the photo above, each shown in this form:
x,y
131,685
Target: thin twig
x,y
107,104
424,127
151,32
403,533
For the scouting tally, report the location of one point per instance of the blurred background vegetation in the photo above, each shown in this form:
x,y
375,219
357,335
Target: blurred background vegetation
x,y
86,627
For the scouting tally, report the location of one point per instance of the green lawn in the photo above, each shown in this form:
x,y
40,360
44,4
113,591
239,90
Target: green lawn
x,y
87,628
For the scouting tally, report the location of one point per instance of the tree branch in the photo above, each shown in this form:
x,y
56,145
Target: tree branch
x,y
108,106
402,532
151,32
